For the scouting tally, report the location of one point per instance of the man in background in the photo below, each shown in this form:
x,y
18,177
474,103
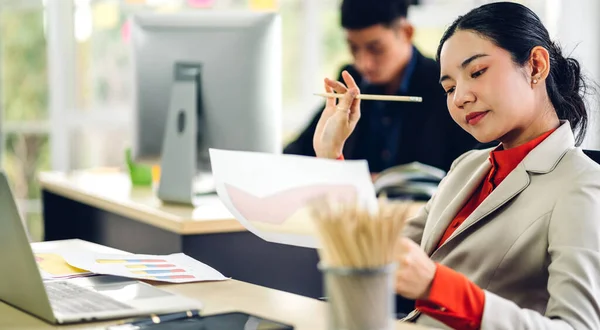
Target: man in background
x,y
386,62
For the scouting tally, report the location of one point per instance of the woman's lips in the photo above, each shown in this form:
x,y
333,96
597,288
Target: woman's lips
x,y
474,117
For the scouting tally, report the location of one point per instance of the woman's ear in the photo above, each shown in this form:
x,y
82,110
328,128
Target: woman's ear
x,y
539,61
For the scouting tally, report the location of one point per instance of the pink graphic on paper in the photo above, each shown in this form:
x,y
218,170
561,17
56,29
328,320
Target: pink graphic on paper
x,y
278,207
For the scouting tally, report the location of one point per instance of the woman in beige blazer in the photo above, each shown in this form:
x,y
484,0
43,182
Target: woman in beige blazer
x,y
526,256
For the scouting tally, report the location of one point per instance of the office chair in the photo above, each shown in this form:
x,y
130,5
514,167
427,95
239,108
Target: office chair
x,y
593,154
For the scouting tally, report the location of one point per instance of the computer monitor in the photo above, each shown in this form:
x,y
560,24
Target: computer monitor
x,y
204,80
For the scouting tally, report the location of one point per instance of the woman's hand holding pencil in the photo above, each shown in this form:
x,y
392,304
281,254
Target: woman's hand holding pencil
x,y
338,119
341,114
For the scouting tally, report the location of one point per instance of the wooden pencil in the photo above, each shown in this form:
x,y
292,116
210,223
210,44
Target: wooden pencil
x,y
375,97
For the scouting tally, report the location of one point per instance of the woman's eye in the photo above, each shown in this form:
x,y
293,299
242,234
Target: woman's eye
x,y
449,91
477,73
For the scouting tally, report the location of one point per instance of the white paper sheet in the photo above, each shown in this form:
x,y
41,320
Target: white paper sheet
x,y
173,268
269,194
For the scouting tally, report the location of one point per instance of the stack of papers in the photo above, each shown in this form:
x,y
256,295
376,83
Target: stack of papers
x,y
53,266
61,262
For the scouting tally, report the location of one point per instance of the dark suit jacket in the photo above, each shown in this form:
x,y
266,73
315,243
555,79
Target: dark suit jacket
x,y
428,133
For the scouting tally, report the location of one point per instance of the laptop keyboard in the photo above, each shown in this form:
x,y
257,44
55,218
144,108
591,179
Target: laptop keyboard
x,y
68,298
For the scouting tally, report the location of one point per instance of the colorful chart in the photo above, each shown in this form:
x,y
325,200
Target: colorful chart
x,y
151,266
173,268
171,277
143,266
158,271
121,261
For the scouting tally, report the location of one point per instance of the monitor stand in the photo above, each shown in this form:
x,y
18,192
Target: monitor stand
x,y
180,180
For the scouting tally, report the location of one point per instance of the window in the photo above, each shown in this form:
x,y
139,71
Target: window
x,y
335,51
103,84
24,104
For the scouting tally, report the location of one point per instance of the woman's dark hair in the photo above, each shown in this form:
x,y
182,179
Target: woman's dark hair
x,y
517,29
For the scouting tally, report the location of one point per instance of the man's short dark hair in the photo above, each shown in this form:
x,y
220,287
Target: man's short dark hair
x,y
360,14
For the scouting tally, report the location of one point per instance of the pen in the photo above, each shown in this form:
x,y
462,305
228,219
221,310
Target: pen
x,y
156,319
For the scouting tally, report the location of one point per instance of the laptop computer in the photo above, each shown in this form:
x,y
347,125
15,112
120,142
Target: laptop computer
x,y
74,300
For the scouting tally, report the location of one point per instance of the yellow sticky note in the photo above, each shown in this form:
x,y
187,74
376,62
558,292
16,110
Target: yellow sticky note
x,y
263,5
56,265
105,15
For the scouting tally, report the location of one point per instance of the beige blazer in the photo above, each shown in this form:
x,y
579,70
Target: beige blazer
x,y
533,244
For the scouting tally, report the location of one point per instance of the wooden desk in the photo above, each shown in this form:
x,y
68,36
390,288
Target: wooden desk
x,y
113,192
104,208
304,313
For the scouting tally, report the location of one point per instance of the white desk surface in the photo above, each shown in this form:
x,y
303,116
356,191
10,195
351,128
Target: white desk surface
x,y
217,297
112,191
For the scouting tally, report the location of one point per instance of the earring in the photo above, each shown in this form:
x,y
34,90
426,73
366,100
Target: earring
x,y
535,81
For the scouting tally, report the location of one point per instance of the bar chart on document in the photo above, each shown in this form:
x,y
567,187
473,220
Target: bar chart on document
x,y
174,268
153,269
